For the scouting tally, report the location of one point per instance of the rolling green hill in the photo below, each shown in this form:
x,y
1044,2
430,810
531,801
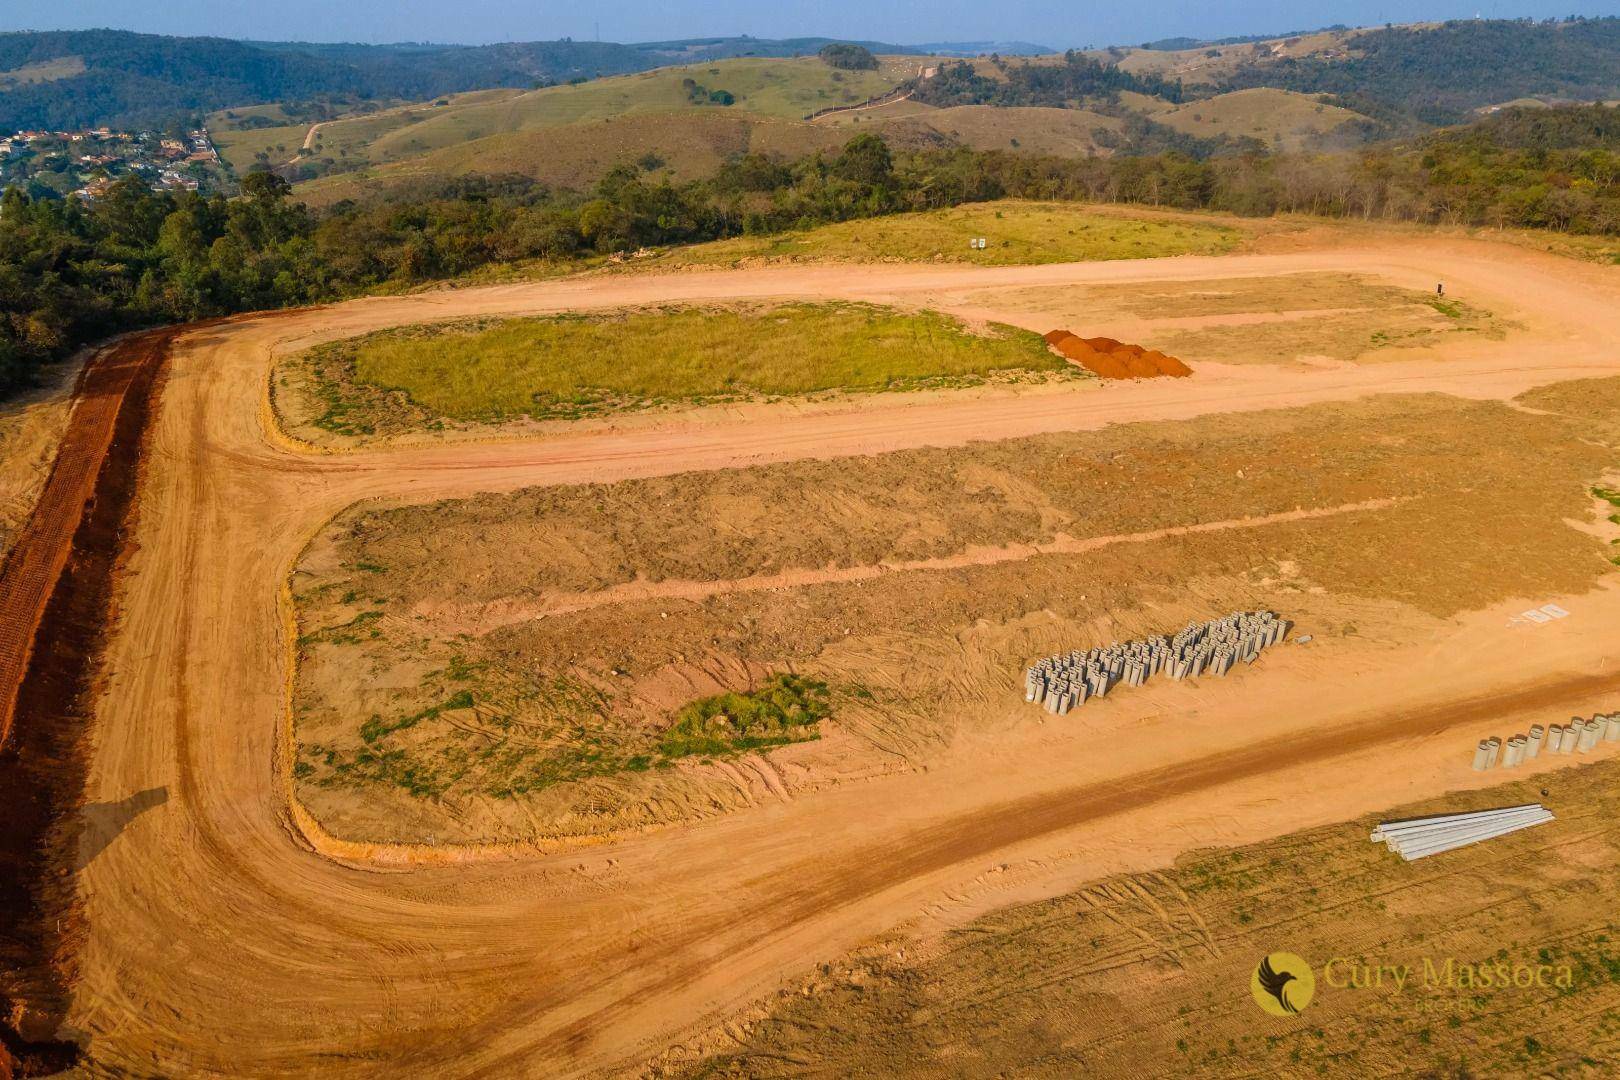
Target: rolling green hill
x,y
1278,119
449,136
79,79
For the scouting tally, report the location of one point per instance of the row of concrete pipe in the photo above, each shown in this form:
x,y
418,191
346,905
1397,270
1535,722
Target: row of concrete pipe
x,y
1059,683
1418,838
1577,736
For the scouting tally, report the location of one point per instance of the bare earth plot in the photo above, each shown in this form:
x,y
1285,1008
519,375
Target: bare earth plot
x,y
509,668
235,928
1320,319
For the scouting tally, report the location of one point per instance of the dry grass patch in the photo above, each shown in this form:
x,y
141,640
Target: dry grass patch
x,y
1018,233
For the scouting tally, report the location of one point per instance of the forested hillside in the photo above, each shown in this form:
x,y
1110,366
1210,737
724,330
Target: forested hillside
x,y
140,80
1078,80
127,80
1436,75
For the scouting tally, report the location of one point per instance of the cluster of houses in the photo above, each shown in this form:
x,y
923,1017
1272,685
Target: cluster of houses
x,y
100,156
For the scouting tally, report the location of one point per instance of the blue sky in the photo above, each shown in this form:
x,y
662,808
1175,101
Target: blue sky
x,y
1053,22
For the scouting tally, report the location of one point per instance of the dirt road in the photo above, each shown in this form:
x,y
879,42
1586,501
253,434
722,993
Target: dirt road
x,y
220,940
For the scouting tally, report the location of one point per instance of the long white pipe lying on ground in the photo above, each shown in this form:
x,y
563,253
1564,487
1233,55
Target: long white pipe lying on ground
x,y
1396,828
1422,836
1410,853
1416,838
1467,833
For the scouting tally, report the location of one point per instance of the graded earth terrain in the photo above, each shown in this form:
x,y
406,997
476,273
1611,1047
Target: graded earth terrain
x,y
249,908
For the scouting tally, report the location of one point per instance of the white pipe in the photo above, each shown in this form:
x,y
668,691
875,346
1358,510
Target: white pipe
x,y
1426,839
1405,824
1430,835
1413,854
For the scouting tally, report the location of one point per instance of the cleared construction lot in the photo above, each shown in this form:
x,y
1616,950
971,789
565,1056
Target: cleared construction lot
x,y
508,667
276,914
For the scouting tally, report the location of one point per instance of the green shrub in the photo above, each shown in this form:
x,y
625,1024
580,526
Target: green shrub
x,y
785,710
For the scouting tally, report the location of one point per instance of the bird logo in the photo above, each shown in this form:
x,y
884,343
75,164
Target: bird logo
x,y
1283,984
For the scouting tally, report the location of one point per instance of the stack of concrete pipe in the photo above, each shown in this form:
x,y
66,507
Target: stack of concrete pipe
x,y
1421,837
1059,683
1577,736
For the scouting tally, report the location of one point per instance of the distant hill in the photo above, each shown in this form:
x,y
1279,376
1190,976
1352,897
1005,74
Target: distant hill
x,y
75,79
983,48
1438,74
759,87
138,80
1538,128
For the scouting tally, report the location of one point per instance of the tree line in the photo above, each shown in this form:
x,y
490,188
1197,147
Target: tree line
x,y
72,272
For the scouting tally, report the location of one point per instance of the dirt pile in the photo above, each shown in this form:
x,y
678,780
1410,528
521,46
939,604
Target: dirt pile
x,y
1110,359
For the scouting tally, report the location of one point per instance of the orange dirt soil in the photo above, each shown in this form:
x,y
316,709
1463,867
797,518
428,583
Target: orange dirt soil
x,y
51,625
1110,359
225,933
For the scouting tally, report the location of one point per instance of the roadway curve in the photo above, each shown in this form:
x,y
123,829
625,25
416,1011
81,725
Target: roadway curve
x,y
220,940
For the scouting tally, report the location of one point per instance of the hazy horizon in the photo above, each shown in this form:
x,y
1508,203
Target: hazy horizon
x,y
908,22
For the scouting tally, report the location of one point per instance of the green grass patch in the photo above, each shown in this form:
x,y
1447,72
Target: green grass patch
x,y
1016,233
508,761
565,367
786,709
376,727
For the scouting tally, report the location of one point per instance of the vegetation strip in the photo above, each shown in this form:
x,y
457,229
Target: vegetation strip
x,y
567,367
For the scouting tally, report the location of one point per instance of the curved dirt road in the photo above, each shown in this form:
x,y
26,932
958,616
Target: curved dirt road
x,y
219,941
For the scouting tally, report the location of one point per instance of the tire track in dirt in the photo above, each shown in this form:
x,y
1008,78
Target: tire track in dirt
x,y
798,896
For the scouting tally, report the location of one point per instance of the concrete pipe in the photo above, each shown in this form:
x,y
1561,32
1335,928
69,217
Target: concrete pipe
x,y
1588,737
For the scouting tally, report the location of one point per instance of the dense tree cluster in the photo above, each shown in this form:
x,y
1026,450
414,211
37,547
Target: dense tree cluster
x,y
1077,81
841,54
70,273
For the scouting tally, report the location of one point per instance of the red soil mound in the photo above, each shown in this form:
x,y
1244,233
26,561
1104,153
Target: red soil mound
x,y
1110,359
1138,365
1075,349
1106,366
1167,365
